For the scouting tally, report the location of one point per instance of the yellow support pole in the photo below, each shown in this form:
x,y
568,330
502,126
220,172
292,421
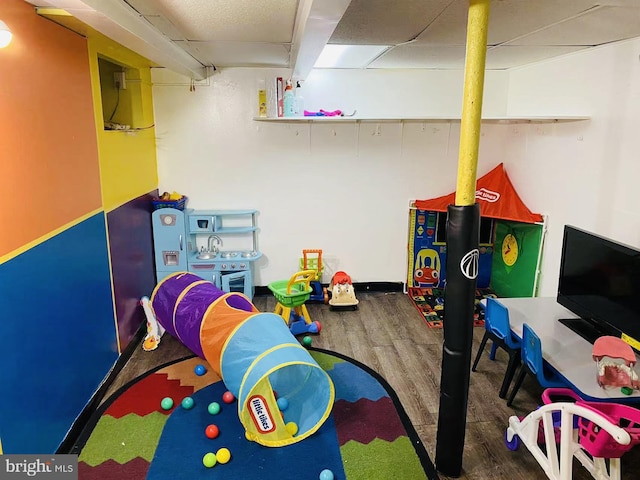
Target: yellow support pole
x,y
463,224
477,27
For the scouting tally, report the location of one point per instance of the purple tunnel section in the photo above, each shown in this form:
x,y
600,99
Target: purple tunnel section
x,y
189,296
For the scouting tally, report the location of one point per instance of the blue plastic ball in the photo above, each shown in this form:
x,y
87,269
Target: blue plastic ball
x,y
200,370
283,404
326,474
187,403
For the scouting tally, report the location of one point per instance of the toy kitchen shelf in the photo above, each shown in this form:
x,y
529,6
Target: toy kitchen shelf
x,y
220,246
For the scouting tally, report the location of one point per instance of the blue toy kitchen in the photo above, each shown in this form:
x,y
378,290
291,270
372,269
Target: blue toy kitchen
x,y
220,246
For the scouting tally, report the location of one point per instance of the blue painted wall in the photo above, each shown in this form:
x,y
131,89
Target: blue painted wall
x,y
57,335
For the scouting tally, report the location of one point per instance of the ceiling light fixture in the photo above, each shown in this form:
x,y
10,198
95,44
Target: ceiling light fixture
x,y
5,35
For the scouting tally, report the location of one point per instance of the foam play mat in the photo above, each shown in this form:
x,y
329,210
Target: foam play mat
x,y
368,435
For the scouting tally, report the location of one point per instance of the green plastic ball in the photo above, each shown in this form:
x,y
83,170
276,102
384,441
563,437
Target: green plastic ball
x,y
209,459
166,403
187,403
306,341
214,408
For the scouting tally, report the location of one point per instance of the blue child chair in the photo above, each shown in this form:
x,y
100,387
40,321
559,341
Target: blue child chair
x,y
498,330
534,364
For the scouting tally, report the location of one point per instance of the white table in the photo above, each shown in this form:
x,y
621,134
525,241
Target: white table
x,y
563,349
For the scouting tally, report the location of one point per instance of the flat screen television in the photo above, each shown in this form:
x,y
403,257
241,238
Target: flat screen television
x,y
600,282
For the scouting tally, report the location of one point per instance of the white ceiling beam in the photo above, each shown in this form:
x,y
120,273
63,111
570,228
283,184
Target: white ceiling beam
x,y
315,23
118,21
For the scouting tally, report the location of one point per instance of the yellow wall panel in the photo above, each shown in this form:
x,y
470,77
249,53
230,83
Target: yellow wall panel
x,y
128,167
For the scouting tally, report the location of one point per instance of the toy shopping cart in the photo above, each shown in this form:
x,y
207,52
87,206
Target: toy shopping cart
x,y
291,296
598,433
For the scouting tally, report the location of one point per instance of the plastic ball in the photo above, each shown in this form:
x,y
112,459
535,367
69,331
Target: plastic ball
x,y
292,428
209,460
223,455
326,474
212,431
214,408
307,341
228,397
283,404
166,403
200,370
187,403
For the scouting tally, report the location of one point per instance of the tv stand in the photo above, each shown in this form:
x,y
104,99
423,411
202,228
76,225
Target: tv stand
x,y
588,330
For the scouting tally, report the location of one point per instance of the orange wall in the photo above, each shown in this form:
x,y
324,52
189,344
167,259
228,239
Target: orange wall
x,y
44,162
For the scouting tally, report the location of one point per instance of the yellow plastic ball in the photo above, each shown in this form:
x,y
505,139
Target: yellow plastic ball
x,y
292,428
223,455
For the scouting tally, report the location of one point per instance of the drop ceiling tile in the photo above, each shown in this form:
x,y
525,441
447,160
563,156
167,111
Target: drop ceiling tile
x,y
421,56
598,26
238,21
384,22
503,57
238,54
508,19
348,56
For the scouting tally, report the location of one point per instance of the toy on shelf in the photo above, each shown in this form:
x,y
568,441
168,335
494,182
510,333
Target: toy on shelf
x,y
154,329
311,262
342,293
292,295
615,360
598,435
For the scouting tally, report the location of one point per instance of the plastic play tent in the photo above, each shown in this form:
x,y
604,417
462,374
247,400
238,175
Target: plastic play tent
x,y
254,353
511,238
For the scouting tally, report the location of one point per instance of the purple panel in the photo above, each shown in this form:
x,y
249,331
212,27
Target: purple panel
x,y
190,312
132,263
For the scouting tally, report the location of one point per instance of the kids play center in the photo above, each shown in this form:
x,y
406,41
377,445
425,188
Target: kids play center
x,y
320,239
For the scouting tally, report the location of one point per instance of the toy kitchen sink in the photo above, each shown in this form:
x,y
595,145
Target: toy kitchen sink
x,y
220,246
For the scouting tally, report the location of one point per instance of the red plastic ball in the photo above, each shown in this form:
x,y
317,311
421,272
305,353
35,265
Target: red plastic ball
x,y
212,431
228,397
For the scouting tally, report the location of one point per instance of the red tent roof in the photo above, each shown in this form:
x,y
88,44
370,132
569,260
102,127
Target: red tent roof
x,y
495,195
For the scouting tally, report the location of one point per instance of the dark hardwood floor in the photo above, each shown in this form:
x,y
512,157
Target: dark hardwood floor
x,y
388,334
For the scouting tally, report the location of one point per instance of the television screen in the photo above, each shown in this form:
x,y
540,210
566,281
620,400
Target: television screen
x,y
600,281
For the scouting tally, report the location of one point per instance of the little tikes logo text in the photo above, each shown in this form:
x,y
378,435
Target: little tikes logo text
x,y
260,414
51,467
487,195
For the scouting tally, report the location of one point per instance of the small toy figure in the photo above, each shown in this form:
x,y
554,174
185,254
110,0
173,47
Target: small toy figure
x,y
615,360
154,329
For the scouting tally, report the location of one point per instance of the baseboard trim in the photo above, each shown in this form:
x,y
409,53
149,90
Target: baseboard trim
x,y
358,287
80,422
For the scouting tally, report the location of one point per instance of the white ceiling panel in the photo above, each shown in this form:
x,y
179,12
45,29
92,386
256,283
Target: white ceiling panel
x,y
187,35
239,54
421,56
237,20
384,22
598,26
508,19
509,56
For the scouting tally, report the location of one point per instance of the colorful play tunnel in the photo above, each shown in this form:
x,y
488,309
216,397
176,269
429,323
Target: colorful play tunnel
x,y
255,354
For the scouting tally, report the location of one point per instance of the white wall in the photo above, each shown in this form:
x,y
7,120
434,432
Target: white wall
x,y
339,187
342,188
583,173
